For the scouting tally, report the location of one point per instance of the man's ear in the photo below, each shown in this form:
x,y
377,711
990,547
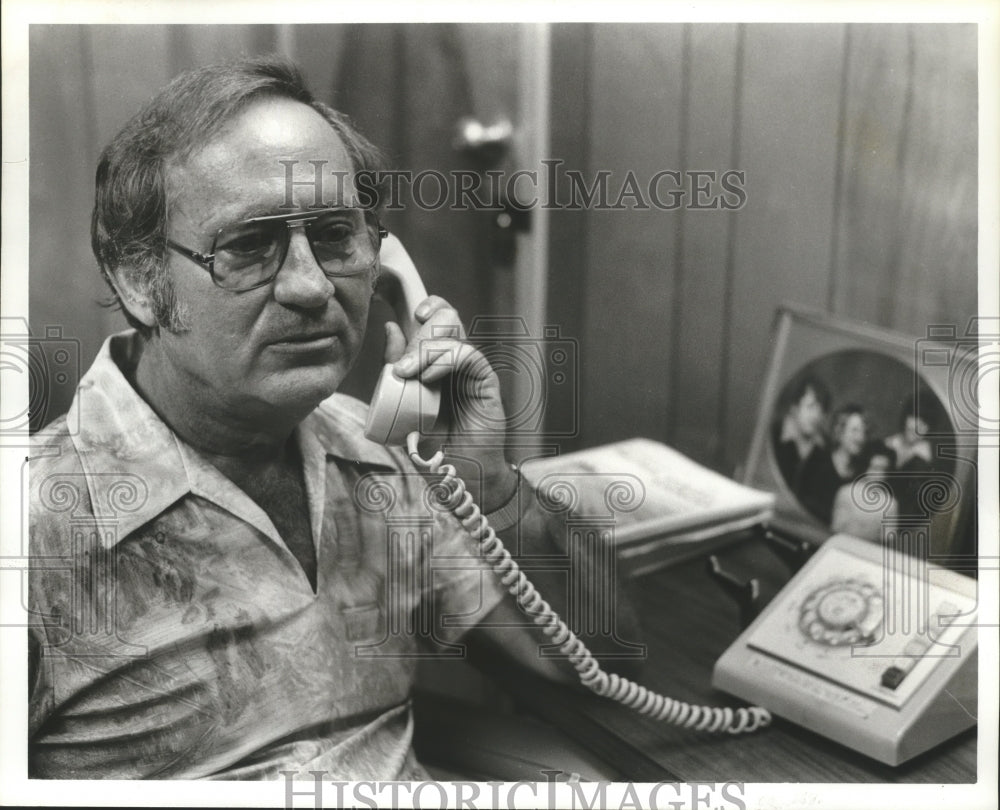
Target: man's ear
x,y
133,295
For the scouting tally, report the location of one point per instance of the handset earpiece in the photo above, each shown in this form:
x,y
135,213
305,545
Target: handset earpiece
x,y
399,406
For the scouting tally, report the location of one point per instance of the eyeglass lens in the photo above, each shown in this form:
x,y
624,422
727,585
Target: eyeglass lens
x,y
248,254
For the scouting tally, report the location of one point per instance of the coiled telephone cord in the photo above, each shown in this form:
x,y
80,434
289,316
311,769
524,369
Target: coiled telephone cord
x,y
636,697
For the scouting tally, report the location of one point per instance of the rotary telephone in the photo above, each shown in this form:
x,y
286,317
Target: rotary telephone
x,y
867,645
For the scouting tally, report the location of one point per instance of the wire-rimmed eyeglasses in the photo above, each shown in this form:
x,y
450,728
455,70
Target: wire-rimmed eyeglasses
x,y
249,254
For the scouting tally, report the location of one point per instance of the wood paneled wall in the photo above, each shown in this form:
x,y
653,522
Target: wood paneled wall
x,y
859,148
858,144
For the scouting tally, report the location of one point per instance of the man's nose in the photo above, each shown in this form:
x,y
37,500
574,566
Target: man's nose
x,y
301,281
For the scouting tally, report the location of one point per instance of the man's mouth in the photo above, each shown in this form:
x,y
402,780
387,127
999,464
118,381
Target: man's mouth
x,y
308,341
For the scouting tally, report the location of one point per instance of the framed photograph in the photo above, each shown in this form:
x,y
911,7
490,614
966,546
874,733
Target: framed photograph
x,y
870,433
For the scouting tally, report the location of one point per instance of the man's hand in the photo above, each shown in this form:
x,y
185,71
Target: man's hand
x,y
472,420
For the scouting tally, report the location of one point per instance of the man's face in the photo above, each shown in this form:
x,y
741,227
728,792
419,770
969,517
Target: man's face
x,y
808,414
287,345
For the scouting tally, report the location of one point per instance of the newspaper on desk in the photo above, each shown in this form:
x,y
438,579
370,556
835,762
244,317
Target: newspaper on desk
x,y
661,506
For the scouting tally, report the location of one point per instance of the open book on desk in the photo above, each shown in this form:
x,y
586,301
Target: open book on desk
x,y
661,506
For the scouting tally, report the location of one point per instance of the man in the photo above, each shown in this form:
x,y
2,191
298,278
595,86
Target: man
x,y
798,438
215,596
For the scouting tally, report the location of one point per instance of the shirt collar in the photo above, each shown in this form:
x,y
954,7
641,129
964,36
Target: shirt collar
x,y
337,426
136,467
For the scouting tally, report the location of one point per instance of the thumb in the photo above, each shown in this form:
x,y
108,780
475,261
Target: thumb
x,y
395,342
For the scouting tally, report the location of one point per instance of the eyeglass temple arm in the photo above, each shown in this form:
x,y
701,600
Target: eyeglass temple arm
x,y
202,259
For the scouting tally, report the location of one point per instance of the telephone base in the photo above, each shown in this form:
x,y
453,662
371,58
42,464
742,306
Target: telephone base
x,y
906,687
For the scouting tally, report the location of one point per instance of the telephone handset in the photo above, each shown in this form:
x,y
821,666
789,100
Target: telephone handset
x,y
399,406
400,410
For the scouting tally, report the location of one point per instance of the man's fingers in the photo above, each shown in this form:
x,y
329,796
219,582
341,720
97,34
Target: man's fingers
x,y
440,325
439,358
395,342
443,357
434,304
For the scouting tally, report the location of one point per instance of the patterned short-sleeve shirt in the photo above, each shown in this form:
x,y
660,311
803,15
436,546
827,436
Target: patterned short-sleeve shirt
x,y
174,635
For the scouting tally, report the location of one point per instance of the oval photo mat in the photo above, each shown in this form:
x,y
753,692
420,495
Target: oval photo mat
x,y
883,386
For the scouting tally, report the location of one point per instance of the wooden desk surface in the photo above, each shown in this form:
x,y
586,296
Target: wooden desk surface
x,y
688,623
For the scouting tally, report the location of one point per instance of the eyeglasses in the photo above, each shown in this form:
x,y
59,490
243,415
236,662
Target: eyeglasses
x,y
249,254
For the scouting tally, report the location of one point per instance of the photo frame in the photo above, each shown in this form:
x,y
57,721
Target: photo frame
x,y
872,433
